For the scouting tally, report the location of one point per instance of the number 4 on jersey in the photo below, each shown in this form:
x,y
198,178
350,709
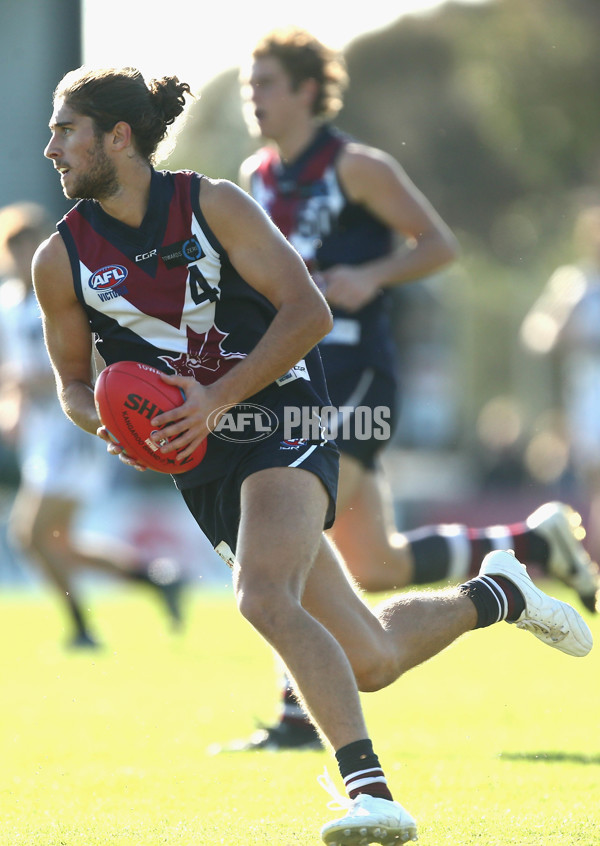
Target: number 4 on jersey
x,y
200,290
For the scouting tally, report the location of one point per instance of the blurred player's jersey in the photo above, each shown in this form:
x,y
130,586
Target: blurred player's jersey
x,y
579,342
305,200
55,457
167,295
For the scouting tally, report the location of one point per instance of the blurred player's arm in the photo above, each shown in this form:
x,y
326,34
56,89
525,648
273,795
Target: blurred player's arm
x,y
66,332
376,181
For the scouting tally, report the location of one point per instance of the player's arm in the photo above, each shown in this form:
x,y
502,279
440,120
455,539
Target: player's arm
x,y
66,332
376,180
264,258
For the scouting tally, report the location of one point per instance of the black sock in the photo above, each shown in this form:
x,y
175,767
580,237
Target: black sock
x,y
360,768
495,598
530,547
431,555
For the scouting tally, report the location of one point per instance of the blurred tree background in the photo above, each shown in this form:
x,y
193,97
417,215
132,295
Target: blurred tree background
x,y
492,111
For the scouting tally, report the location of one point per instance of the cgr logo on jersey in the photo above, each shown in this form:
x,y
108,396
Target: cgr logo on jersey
x,y
108,281
144,256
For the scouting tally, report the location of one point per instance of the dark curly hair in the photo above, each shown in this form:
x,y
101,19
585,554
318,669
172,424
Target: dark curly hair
x,y
109,95
304,57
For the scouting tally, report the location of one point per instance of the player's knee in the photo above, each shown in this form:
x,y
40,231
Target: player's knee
x,y
263,605
249,605
379,673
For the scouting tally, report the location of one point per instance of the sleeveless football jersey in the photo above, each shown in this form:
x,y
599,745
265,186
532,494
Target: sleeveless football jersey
x,y
166,294
306,201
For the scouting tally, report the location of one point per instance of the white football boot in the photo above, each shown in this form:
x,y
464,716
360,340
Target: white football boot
x,y
368,819
553,622
561,526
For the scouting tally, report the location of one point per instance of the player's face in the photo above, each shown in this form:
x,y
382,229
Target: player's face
x,y
86,171
276,106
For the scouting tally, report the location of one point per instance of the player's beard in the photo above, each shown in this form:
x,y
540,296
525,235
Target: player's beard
x,y
100,182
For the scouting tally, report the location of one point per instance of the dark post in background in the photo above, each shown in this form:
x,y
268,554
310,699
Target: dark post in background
x,y
39,43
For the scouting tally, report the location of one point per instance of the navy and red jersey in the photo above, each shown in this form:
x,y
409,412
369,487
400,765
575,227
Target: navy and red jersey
x,y
167,295
305,200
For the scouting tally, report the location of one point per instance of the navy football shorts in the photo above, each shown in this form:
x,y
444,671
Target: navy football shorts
x,y
364,391
215,505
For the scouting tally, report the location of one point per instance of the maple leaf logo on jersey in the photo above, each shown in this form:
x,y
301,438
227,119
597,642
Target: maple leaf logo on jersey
x,y
205,353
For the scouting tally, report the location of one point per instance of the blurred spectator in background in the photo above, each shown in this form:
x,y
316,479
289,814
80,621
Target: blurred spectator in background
x,y
61,467
565,322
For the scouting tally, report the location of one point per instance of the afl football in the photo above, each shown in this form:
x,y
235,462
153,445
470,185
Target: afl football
x,y
128,396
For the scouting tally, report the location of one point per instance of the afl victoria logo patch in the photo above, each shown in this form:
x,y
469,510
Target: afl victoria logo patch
x,y
108,277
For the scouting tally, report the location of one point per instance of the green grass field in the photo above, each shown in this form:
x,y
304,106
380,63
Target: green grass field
x,y
496,741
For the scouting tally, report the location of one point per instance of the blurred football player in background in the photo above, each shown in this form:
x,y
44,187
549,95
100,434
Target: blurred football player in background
x,y
565,322
61,467
361,227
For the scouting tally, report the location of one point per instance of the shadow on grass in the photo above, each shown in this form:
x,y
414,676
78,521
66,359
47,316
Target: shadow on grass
x,y
551,757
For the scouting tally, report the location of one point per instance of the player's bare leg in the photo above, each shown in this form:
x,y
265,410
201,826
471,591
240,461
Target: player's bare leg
x,y
407,629
36,527
279,537
400,633
377,555
42,526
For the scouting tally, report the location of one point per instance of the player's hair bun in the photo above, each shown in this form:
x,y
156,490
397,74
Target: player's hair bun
x,y
168,97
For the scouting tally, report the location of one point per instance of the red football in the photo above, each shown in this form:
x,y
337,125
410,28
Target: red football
x,y
128,396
